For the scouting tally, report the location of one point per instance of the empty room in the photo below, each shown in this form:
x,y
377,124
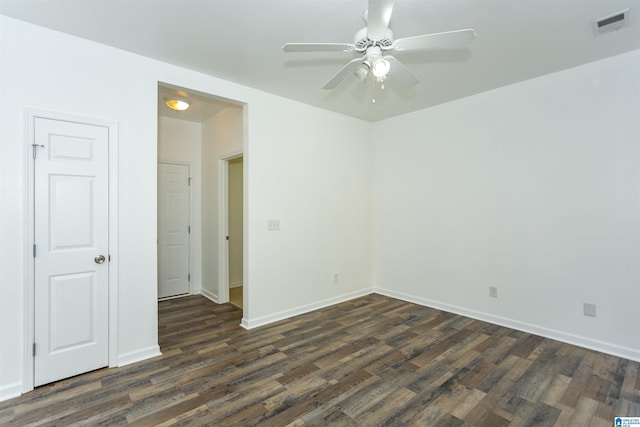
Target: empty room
x,y
320,212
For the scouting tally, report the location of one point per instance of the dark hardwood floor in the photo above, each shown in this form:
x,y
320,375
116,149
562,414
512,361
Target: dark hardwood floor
x,y
372,361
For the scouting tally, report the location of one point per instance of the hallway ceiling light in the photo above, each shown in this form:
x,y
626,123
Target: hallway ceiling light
x,y
177,103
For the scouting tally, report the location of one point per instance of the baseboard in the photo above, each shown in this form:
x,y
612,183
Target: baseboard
x,y
139,355
173,297
244,323
261,321
10,391
235,284
209,295
581,341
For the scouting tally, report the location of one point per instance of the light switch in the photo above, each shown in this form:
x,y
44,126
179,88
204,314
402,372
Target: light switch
x,y
273,225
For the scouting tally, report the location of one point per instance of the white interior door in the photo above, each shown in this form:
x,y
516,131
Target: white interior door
x,y
71,232
173,230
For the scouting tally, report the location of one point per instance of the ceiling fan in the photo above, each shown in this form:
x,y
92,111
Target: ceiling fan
x,y
375,40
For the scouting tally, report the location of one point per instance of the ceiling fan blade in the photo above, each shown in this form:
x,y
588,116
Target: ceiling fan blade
x,y
318,47
342,74
378,16
446,40
400,72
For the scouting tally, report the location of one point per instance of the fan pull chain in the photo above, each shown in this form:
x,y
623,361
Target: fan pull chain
x,y
373,90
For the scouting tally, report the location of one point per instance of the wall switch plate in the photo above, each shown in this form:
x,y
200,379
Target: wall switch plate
x,y
493,292
589,309
273,225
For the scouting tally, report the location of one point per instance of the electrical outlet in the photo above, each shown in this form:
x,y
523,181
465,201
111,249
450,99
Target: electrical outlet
x,y
336,277
493,292
589,309
273,225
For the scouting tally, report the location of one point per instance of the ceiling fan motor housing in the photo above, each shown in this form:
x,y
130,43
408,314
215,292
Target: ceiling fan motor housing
x,y
362,40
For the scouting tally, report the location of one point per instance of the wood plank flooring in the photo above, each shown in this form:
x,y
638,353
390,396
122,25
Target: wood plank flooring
x,y
372,361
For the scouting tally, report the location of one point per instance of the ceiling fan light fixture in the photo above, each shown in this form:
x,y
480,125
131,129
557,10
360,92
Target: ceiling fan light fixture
x,y
362,71
177,103
381,68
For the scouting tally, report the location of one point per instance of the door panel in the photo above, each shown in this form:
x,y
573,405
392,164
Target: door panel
x,y
173,230
71,221
71,229
72,302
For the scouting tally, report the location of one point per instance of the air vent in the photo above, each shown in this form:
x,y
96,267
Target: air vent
x,y
611,22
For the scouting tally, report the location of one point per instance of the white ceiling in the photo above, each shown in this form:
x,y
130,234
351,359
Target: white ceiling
x,y
241,40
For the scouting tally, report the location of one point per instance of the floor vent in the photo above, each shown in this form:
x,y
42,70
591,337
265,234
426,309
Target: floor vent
x,y
611,22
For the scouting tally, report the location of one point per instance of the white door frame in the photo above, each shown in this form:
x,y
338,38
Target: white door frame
x,y
223,225
29,280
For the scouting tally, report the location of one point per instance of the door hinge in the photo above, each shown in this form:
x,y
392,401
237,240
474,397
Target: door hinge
x,y
227,237
34,250
189,277
189,181
189,229
34,349
35,147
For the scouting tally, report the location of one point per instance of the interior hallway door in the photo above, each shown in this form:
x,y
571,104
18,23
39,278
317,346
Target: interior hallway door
x,y
71,249
173,230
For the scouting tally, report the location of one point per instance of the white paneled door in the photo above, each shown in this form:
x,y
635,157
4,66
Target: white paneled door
x,y
173,230
71,252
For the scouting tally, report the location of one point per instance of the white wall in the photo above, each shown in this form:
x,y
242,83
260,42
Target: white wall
x,y
307,167
222,136
235,221
533,188
69,75
180,141
313,173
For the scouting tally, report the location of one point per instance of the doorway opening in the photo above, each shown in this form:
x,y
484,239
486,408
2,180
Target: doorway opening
x,y
210,130
234,230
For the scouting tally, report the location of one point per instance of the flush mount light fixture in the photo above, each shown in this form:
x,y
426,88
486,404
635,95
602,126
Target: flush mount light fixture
x,y
177,103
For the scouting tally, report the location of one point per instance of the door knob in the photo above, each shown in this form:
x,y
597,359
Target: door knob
x,y
99,259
